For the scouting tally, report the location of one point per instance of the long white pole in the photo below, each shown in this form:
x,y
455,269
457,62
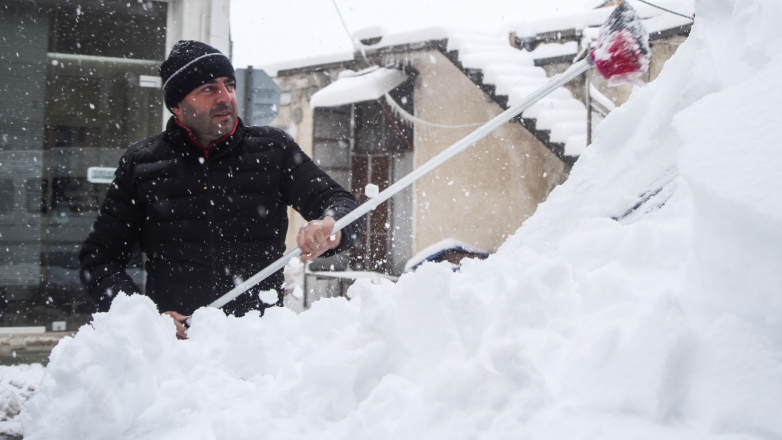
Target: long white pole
x,y
481,132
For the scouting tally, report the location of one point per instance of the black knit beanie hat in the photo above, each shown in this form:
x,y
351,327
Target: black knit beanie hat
x,y
190,64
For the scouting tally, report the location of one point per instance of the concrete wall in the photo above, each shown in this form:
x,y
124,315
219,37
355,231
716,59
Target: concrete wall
x,y
202,20
485,193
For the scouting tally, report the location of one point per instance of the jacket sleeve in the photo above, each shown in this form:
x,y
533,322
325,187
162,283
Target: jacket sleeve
x,y
109,246
315,195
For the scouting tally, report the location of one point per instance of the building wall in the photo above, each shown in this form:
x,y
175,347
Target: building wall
x,y
202,20
485,193
662,51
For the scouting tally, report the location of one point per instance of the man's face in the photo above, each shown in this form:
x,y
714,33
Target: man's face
x,y
209,111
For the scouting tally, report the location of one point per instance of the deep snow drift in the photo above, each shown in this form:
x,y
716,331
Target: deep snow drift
x,y
17,384
643,300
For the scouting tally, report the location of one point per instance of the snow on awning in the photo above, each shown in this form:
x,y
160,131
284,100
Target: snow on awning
x,y
365,85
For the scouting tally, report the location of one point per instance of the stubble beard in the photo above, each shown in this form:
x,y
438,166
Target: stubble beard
x,y
205,129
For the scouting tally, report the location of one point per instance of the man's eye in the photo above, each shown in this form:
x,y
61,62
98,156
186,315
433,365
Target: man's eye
x,y
231,86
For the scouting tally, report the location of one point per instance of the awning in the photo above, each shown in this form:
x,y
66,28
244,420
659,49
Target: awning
x,y
365,85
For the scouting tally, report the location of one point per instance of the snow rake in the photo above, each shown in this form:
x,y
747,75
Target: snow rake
x,y
621,52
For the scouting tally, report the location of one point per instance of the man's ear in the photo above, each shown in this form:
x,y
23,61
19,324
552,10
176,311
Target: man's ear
x,y
177,112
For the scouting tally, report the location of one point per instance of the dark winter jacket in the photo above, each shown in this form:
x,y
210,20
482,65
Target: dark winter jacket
x,y
206,220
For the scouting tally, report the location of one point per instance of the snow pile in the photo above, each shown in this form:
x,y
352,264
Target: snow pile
x,y
643,300
17,384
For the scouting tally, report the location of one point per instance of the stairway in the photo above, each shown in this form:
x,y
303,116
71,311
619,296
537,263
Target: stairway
x,y
508,75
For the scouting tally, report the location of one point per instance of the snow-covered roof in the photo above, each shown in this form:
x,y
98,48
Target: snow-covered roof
x,y
655,19
555,50
365,85
514,74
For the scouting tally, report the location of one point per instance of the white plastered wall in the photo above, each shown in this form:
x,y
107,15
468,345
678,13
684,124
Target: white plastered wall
x,y
203,20
485,193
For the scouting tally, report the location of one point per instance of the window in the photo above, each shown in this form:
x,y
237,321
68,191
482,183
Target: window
x,y
99,103
120,30
332,134
96,106
73,98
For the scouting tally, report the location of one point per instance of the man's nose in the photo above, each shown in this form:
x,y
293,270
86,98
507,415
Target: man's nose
x,y
223,94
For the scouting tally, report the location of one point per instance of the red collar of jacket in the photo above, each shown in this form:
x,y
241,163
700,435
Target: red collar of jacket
x,y
206,149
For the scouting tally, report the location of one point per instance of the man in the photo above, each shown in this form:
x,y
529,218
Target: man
x,y
207,199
